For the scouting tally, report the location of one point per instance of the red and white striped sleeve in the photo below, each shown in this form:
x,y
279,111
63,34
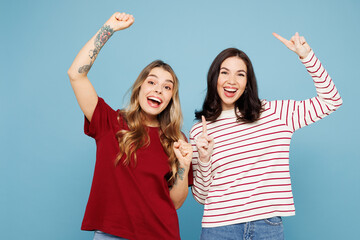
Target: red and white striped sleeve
x,y
298,114
202,173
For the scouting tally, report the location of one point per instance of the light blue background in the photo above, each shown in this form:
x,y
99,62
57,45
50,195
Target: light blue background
x,y
46,162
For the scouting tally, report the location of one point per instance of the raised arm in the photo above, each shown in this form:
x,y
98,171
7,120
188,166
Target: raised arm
x,y
83,89
203,147
298,114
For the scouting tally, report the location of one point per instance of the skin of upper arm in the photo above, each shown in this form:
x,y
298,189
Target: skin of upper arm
x,y
85,95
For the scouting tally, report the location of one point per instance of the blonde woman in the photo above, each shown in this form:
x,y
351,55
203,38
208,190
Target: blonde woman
x,y
142,161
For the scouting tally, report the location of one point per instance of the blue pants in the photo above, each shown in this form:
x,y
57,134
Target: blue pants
x,y
265,229
99,235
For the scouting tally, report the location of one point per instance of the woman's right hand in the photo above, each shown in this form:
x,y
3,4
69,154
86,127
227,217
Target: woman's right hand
x,y
119,21
204,143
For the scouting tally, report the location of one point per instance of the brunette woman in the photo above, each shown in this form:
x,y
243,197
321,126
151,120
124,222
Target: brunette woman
x,y
241,151
142,163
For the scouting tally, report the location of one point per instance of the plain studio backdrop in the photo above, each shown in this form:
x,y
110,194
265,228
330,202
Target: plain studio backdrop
x,y
46,161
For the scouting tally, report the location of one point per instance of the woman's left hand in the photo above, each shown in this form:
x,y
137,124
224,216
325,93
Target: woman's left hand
x,y
183,152
296,44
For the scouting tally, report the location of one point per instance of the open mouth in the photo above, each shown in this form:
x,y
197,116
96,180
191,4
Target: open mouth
x,y
154,101
229,91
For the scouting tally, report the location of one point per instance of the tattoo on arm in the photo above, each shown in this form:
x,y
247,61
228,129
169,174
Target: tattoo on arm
x,y
103,36
85,68
179,174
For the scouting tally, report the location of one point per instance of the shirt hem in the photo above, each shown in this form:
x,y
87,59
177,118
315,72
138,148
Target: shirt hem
x,y
250,219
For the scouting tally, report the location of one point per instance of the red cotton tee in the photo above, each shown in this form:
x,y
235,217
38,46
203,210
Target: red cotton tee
x,y
131,202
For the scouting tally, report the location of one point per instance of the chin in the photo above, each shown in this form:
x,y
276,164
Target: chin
x,y
152,112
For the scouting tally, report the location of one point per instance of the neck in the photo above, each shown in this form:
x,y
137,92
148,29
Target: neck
x,y
152,124
226,107
150,121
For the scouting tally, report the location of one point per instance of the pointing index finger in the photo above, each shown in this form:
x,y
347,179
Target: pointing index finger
x,y
204,126
283,40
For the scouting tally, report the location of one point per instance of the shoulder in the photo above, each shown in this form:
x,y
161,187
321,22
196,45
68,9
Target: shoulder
x,y
196,128
117,118
266,105
276,106
102,105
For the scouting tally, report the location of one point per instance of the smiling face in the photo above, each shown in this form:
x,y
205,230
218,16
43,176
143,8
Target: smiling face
x,y
231,81
155,94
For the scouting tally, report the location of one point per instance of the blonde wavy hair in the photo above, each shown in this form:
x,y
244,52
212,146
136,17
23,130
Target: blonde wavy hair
x,y
170,120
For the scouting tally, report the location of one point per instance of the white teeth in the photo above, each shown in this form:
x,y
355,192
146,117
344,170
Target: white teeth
x,y
154,99
230,89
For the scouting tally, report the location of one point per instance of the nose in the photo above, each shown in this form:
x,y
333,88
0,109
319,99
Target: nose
x,y
158,88
231,79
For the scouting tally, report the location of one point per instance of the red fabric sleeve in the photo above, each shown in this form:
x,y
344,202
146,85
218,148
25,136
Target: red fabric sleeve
x,y
100,121
190,176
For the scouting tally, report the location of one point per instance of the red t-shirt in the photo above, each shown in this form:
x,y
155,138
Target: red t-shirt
x,y
131,202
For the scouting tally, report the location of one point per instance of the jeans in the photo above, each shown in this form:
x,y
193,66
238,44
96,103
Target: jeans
x,y
265,229
99,235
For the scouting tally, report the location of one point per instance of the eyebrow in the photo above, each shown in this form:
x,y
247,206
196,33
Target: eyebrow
x,y
229,70
167,80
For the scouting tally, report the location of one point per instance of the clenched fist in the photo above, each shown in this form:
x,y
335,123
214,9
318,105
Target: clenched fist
x,y
183,152
119,21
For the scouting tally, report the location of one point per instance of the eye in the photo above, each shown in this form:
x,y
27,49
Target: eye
x,y
223,72
241,75
151,82
168,88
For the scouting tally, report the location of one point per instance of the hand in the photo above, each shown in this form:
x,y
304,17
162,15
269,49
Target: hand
x,y
205,143
183,152
119,21
296,44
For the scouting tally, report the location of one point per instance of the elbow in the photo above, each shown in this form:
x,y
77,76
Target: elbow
x,y
197,198
178,200
71,73
178,205
74,74
338,104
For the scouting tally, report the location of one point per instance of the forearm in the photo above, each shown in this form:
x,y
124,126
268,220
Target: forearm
x,y
87,55
325,87
202,181
180,189
299,114
202,171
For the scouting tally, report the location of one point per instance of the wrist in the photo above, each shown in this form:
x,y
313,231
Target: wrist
x,y
304,55
185,167
204,159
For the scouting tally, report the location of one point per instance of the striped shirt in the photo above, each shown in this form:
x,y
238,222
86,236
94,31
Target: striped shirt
x,y
248,176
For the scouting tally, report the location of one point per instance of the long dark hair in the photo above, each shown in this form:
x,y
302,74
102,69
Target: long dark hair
x,y
248,104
